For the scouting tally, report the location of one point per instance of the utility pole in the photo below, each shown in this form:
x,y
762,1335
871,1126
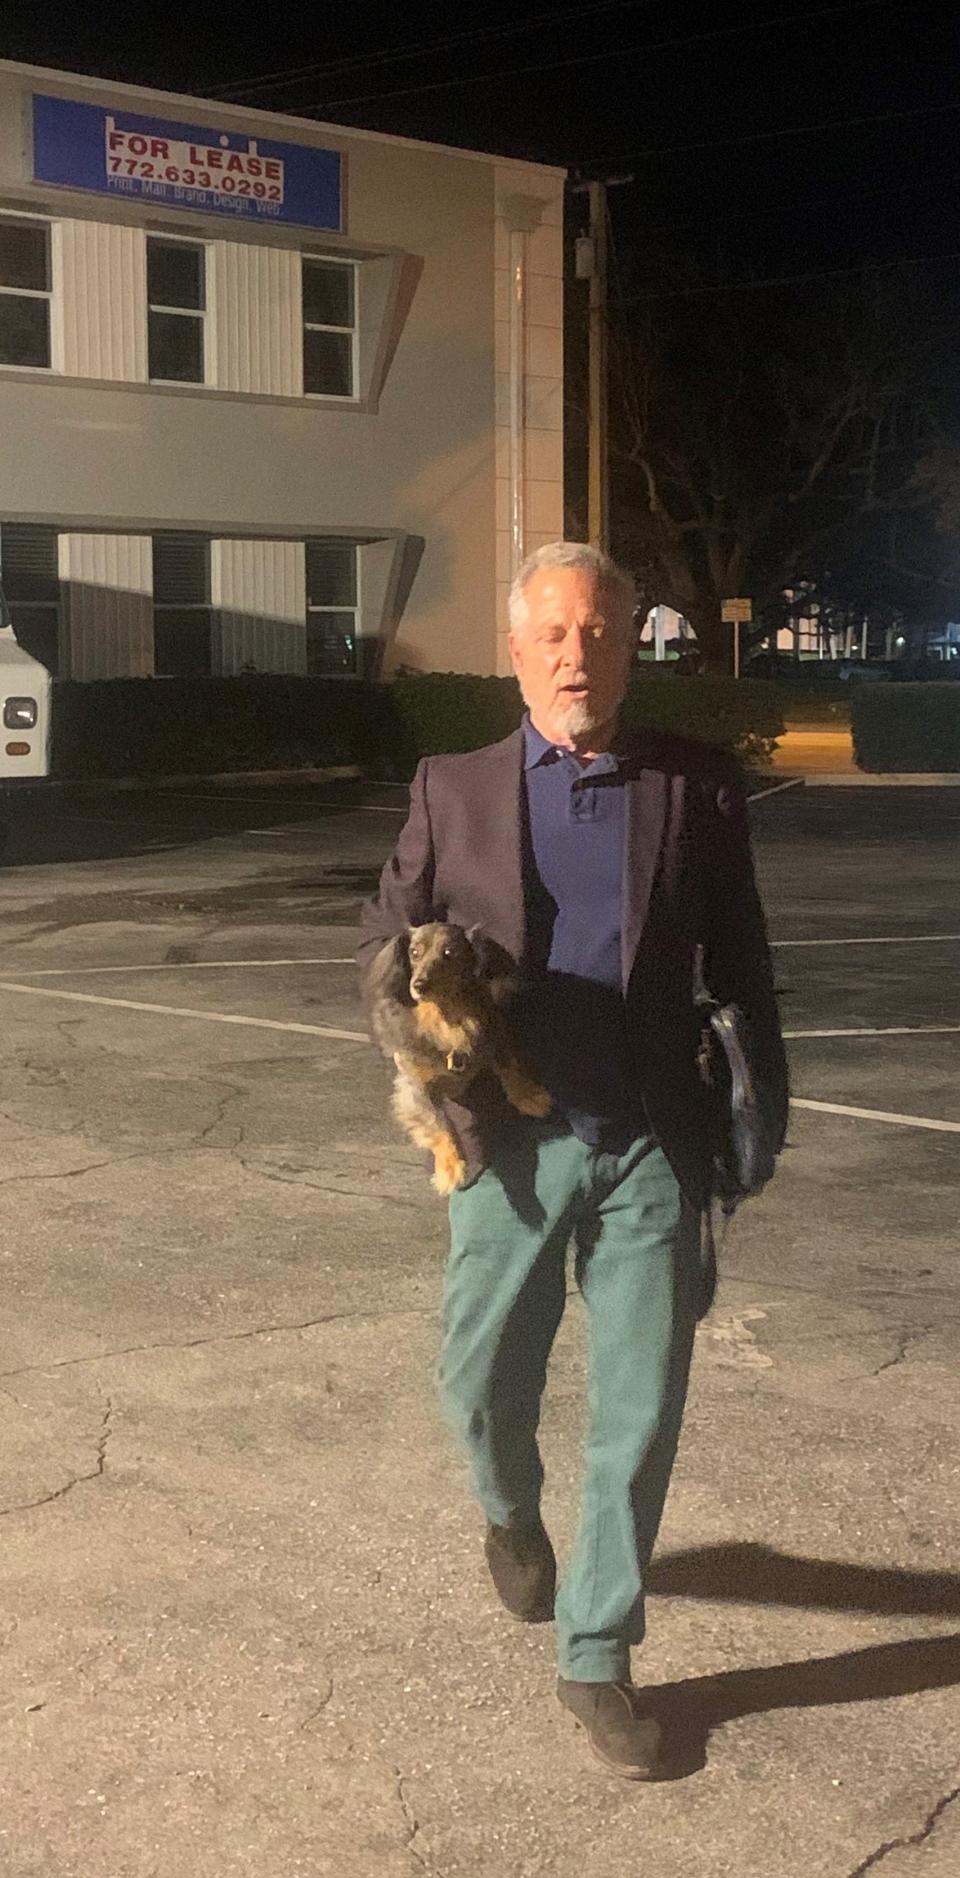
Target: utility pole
x,y
598,472
593,265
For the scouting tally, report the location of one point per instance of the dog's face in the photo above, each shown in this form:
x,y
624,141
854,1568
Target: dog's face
x,y
441,958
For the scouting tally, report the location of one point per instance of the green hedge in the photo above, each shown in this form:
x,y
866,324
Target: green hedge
x,y
741,714
442,711
171,726
454,711
909,728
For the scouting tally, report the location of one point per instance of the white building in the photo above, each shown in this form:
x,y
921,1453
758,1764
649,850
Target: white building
x,y
274,394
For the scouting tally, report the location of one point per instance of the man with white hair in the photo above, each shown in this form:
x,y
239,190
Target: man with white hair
x,y
615,867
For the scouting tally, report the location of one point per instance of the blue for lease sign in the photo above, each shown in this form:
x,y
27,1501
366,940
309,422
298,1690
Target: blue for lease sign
x,y
184,166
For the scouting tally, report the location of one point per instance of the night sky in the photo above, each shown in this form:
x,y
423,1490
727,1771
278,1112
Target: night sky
x,y
668,93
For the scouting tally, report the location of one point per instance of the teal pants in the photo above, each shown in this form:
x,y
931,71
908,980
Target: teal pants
x,y
637,1245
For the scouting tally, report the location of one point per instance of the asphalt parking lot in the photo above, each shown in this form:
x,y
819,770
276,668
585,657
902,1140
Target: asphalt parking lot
x,y
244,1620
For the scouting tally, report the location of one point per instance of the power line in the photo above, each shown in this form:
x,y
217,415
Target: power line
x,y
825,199
768,136
394,57
788,280
593,58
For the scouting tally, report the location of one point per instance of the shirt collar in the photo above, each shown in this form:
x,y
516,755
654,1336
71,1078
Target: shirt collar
x,y
537,751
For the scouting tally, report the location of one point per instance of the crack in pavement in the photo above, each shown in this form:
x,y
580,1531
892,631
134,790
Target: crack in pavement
x,y
234,1095
229,1336
914,1838
863,1298
325,1701
76,1173
903,1342
35,1128
412,1822
200,1145
117,1160
60,1493
318,1186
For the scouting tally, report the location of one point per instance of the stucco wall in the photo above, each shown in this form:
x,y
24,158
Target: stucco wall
x,y
94,443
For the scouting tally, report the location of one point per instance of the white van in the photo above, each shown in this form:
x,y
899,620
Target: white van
x,y
24,710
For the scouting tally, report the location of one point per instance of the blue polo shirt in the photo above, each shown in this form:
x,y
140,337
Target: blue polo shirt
x,y
572,1015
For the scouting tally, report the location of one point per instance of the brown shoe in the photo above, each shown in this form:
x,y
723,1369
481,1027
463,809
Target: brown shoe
x,y
524,1570
624,1740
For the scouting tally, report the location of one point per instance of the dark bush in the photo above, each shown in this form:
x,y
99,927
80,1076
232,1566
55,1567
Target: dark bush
x,y
454,711
742,714
442,711
174,726
171,726
907,728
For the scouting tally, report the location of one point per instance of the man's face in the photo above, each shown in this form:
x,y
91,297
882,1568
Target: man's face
x,y
572,657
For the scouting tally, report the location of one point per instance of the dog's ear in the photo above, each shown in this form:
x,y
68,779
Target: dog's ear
x,y
389,975
477,942
494,965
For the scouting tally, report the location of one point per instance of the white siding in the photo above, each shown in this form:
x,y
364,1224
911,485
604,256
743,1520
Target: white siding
x,y
102,301
107,586
256,323
259,591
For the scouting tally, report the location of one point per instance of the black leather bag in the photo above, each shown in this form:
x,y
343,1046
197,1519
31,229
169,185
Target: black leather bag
x,y
746,1133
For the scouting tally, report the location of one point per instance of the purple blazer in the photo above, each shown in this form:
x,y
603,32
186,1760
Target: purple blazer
x,y
688,884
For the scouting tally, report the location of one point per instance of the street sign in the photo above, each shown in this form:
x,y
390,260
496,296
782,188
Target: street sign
x,y
737,612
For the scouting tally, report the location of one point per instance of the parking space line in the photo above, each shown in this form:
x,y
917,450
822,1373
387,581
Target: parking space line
x,y
875,1115
173,1010
314,802
389,808
887,1030
228,801
132,822
354,808
188,965
359,1036
760,795
898,939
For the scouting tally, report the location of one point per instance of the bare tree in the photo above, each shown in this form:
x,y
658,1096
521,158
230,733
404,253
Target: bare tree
x,y
758,436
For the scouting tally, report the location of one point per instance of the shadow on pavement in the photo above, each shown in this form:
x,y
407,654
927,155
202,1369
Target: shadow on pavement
x,y
689,1711
91,823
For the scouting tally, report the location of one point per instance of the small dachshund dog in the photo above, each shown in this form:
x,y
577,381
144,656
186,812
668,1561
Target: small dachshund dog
x,y
437,995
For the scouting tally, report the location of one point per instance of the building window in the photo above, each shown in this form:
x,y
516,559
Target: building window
x,y
24,292
329,327
176,320
31,582
332,608
181,605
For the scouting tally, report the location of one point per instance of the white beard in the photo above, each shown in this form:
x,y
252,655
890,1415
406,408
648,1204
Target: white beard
x,y
578,718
